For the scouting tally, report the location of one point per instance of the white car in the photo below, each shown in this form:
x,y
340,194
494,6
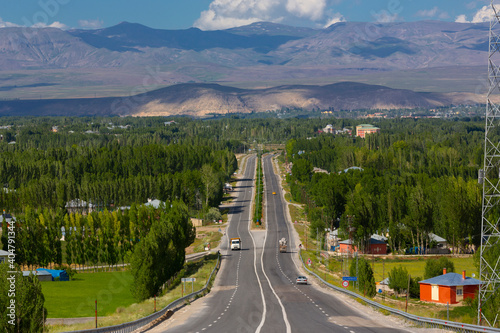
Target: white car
x,y
301,280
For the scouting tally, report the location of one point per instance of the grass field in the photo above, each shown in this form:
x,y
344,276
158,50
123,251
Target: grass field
x,y
209,237
416,266
128,312
76,298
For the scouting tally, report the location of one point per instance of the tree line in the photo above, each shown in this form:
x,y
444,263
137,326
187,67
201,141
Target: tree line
x,y
412,181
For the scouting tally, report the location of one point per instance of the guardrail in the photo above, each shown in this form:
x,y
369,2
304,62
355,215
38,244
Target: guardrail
x,y
136,324
423,321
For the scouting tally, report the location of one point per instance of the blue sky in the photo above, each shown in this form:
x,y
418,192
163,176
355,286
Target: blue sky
x,y
221,14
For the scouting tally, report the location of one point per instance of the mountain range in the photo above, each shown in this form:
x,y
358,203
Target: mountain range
x,y
202,99
446,60
348,44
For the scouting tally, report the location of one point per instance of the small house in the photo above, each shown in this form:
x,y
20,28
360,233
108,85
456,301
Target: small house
x,y
449,288
154,203
55,273
4,255
376,247
440,241
197,222
79,206
41,275
383,287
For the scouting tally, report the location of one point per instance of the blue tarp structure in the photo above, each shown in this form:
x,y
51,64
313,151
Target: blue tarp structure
x,y
61,274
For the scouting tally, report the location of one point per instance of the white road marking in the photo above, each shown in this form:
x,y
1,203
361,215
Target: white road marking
x,y
283,311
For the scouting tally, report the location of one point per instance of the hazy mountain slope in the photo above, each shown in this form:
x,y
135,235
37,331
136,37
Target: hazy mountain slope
x,y
343,45
402,45
202,99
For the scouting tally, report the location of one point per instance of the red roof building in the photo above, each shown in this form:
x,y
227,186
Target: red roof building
x,y
449,288
376,247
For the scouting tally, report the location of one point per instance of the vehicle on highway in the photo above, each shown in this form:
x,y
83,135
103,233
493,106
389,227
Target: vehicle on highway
x,y
301,280
274,193
282,244
235,243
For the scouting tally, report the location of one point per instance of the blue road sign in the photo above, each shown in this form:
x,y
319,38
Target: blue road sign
x,y
349,278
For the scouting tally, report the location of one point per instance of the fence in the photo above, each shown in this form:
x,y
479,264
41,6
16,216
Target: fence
x,y
136,324
422,321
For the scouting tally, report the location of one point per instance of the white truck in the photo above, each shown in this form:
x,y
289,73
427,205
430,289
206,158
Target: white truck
x,y
235,243
282,244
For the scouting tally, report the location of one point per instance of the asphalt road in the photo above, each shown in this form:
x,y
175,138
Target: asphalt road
x,y
255,290
307,308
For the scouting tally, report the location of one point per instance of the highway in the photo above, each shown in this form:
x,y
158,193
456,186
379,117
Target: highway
x,y
255,290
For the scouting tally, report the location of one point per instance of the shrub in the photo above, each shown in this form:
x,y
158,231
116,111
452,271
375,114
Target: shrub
x,y
434,267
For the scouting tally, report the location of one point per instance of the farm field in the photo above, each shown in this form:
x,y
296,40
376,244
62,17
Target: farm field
x,y
416,266
124,308
76,298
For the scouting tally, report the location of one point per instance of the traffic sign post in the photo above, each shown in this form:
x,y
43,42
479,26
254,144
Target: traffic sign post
x,y
184,280
345,283
309,262
349,278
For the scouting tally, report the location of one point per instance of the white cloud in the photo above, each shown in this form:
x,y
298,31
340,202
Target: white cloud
x,y
428,12
335,18
4,24
485,14
384,17
224,14
90,24
433,12
311,9
461,19
55,24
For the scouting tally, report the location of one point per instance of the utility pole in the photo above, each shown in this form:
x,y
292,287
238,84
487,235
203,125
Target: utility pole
x,y
489,266
408,292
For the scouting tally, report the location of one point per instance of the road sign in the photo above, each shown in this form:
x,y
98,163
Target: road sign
x,y
309,262
345,284
349,278
188,279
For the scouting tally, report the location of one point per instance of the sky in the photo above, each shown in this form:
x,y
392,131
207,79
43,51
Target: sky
x,y
224,14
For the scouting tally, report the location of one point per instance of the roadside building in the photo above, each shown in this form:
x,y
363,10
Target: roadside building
x,y
4,255
197,222
364,129
329,129
79,206
376,246
41,275
59,274
449,288
154,203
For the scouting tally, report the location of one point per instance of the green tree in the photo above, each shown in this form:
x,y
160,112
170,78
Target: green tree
x,y
213,214
366,279
161,253
29,311
302,170
398,279
211,182
434,267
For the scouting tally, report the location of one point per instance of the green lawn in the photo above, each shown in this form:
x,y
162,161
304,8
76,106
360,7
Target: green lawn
x,y
76,298
416,266
126,311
